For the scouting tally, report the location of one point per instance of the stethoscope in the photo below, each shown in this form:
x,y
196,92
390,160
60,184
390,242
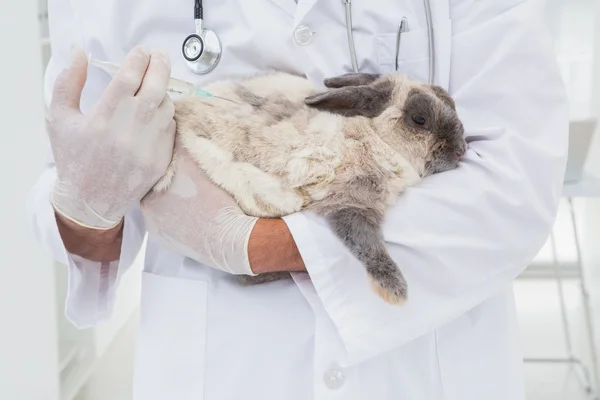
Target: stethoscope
x,y
401,28
202,50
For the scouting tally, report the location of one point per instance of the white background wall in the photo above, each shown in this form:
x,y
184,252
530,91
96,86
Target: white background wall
x,y
590,209
28,352
594,164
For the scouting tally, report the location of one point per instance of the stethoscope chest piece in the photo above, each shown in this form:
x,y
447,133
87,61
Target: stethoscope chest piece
x,y
193,47
202,50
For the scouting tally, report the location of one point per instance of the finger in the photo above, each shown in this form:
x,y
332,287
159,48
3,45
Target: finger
x,y
167,107
155,82
128,79
66,95
162,117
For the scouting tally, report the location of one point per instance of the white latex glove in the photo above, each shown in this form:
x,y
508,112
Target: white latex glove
x,y
108,160
196,218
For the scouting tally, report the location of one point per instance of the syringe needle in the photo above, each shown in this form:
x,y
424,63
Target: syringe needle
x,y
223,98
204,93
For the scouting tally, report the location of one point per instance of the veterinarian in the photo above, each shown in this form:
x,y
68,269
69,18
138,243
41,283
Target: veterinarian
x,y
460,237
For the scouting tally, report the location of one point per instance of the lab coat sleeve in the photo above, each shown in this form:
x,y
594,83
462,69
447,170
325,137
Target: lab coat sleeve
x,y
462,236
91,285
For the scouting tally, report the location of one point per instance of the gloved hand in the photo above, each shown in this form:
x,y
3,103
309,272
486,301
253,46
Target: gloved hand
x,y
108,160
196,218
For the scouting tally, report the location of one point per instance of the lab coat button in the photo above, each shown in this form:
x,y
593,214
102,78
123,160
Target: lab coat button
x,y
303,35
334,378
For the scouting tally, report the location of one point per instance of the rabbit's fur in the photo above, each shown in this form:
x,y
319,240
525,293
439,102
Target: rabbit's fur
x,y
344,152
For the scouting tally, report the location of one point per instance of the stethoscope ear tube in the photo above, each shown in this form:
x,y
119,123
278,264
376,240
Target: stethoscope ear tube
x,y
431,43
348,5
401,29
202,50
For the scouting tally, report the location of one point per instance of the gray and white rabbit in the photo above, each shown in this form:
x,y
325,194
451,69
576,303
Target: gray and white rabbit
x,y
344,151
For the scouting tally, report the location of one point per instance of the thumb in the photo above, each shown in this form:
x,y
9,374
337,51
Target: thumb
x,y
70,82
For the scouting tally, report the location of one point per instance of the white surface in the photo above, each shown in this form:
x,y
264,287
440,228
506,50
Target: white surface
x,y
28,342
578,46
68,350
573,23
581,133
542,335
596,52
76,376
587,186
113,376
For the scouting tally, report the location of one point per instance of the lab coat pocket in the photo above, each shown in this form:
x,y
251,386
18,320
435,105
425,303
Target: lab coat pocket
x,y
413,53
170,359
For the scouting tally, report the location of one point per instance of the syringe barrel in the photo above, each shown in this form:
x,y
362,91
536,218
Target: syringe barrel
x,y
176,86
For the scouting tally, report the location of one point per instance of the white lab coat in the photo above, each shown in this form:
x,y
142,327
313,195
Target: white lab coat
x,y
460,237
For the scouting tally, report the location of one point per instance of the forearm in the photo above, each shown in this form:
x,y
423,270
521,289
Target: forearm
x,y
91,244
271,248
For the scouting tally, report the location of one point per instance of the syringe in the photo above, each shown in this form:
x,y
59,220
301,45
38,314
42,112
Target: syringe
x,y
175,85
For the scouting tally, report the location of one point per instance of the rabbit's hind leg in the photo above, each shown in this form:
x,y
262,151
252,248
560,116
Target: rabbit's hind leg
x,y
258,193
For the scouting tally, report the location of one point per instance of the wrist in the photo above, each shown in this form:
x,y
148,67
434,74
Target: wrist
x,y
77,211
271,248
92,244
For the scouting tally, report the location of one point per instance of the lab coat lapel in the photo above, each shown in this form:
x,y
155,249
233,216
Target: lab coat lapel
x,y
289,6
298,11
304,6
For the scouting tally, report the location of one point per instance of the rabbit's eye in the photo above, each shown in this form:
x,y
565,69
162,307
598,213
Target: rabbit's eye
x,y
418,119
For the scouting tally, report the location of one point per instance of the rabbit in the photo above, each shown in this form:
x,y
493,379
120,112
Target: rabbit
x,y
345,152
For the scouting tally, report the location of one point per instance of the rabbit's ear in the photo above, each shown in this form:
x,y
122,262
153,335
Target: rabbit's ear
x,y
443,95
366,101
350,79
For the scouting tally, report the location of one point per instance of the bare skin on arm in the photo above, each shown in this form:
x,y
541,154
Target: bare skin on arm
x,y
91,244
268,234
271,248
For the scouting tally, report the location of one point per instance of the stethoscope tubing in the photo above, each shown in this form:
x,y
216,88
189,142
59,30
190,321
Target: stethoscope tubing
x,y
194,62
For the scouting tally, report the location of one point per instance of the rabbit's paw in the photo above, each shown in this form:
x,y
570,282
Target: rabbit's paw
x,y
389,283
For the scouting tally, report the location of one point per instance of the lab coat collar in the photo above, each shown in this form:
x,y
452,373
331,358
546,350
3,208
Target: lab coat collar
x,y
304,6
289,6
297,11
